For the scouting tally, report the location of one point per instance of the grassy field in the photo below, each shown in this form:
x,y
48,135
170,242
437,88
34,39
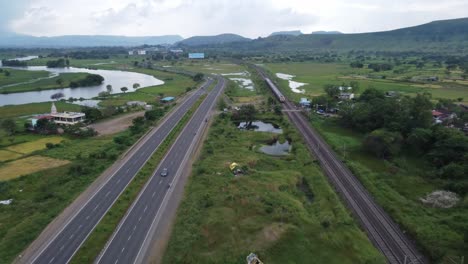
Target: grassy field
x,y
316,75
398,186
29,147
17,76
28,165
45,84
8,155
283,208
205,66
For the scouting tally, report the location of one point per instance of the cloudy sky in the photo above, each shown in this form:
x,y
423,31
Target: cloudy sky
x,y
250,18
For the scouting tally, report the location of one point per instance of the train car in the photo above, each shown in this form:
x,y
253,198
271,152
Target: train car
x,y
275,90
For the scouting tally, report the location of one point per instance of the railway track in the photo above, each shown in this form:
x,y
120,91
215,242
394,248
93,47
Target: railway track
x,y
384,233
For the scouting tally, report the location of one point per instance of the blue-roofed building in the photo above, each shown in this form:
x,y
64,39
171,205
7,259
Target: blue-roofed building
x,y
305,102
168,99
196,55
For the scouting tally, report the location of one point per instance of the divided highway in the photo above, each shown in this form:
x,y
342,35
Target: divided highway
x,y
384,233
63,245
129,242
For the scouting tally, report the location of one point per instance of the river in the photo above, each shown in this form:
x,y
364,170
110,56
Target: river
x,y
117,79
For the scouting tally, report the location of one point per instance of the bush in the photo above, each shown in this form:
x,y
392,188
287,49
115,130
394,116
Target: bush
x,y
50,145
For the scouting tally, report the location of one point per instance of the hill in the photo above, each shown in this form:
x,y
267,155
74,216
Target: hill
x,y
292,33
14,40
446,36
212,40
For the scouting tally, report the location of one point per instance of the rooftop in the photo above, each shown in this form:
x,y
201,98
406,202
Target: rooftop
x,y
68,114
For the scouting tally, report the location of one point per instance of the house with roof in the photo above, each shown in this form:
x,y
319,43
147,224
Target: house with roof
x,y
304,102
346,96
440,116
168,99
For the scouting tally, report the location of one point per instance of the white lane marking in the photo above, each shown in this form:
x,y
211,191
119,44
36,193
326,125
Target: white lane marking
x,y
97,206
87,217
118,181
122,249
127,170
146,207
129,237
52,259
134,227
71,236
116,261
139,219
153,194
80,227
160,182
107,194
62,247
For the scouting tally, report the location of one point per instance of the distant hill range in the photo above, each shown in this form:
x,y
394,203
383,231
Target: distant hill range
x,y
326,32
212,40
290,33
14,40
444,36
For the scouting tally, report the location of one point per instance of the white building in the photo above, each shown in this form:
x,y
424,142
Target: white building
x,y
346,96
141,52
66,118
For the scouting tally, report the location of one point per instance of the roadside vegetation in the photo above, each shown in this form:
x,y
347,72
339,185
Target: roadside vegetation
x,y
281,208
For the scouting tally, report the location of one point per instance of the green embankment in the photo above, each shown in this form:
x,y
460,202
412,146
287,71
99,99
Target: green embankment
x,y
61,81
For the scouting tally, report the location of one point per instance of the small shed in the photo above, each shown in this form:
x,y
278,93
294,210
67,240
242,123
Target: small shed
x,y
168,99
304,102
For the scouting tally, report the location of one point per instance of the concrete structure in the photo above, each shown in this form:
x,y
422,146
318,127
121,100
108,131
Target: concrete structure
x,y
167,99
65,118
346,96
196,55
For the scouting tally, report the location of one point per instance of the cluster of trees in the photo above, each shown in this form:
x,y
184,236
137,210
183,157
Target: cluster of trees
x,y
405,124
14,63
60,63
198,77
356,64
89,80
377,67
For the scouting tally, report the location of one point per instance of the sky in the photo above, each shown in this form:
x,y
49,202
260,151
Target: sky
x,y
250,18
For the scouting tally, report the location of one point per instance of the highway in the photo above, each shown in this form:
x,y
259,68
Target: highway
x,y
129,242
61,247
384,233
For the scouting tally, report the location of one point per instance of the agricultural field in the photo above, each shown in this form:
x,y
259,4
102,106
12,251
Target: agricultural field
x,y
29,147
205,66
10,111
28,165
281,208
317,75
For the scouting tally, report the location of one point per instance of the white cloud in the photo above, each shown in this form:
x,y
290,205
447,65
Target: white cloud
x,y
250,18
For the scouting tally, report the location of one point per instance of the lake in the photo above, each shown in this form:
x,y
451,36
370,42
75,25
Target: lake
x,y
115,78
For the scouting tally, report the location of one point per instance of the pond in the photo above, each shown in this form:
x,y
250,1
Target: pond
x,y
260,126
277,148
115,78
292,84
244,83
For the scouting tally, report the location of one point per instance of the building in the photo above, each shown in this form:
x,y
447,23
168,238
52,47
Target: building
x,y
304,102
141,52
66,118
440,115
196,55
176,50
346,96
168,99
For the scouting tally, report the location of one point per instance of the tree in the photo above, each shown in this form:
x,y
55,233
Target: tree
x,y
382,143
124,89
154,114
9,126
109,88
331,90
355,85
57,96
420,139
198,77
247,113
92,114
7,73
45,126
59,81
136,85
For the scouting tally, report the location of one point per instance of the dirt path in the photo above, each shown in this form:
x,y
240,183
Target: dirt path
x,y
117,124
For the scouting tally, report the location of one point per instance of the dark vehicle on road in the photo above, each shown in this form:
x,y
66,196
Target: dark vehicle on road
x,y
164,172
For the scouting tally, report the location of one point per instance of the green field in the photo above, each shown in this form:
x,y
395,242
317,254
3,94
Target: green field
x,y
45,84
35,108
19,76
283,209
317,75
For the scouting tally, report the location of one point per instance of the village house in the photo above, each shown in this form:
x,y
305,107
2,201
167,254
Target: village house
x,y
440,116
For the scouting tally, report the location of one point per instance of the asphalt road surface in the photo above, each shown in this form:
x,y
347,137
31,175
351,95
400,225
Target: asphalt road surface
x,y
62,247
127,244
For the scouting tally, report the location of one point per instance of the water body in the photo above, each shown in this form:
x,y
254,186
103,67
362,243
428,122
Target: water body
x,y
277,148
115,78
292,84
244,83
261,126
